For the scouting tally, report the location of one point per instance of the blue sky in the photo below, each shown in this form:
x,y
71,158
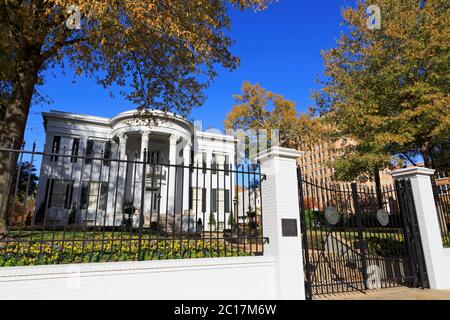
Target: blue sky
x,y
279,48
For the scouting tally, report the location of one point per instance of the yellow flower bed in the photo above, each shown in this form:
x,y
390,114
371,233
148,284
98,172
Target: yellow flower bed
x,y
62,252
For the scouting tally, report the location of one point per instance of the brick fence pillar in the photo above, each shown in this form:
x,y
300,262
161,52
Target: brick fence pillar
x,y
435,259
280,207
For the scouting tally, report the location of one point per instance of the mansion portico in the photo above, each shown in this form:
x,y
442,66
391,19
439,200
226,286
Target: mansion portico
x,y
95,168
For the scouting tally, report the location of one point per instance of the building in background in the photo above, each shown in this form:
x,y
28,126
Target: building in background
x,y
94,168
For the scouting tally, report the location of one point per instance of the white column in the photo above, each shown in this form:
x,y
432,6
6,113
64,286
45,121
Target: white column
x,y
186,175
435,259
172,171
121,192
123,139
144,143
139,176
281,214
79,175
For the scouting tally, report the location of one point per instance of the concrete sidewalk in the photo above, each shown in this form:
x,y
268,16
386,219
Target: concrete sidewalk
x,y
392,294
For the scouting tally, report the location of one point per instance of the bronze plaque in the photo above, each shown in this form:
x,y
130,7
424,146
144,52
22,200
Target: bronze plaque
x,y
289,227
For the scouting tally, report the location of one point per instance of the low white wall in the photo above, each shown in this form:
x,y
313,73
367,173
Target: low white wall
x,y
446,263
190,279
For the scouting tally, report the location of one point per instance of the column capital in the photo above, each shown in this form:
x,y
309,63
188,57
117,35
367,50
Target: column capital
x,y
173,139
188,145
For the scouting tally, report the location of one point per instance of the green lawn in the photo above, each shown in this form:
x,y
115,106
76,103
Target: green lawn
x,y
315,238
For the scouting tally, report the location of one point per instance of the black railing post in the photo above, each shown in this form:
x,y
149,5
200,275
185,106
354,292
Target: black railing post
x,y
360,233
141,214
303,226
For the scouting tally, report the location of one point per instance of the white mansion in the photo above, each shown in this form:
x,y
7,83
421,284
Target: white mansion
x,y
95,169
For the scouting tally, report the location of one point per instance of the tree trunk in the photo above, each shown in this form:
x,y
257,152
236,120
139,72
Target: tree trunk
x,y
426,154
378,189
12,129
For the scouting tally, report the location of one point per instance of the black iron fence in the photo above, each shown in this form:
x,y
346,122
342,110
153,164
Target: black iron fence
x,y
355,238
442,200
62,207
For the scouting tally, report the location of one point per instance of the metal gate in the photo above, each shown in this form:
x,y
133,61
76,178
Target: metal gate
x,y
357,239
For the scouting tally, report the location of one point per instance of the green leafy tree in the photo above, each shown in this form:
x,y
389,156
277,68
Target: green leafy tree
x,y
26,179
162,53
257,108
231,220
212,221
386,91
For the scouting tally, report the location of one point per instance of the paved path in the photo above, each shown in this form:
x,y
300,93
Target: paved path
x,y
392,294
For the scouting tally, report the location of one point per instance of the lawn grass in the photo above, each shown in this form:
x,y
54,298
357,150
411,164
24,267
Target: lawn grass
x,y
315,238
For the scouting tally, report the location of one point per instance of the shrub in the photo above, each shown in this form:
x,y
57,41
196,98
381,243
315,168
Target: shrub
x,y
212,220
386,247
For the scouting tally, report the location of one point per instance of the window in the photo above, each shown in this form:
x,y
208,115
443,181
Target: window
x,y
204,162
60,193
156,196
192,160
218,161
93,195
213,164
75,149
155,157
200,161
220,200
107,153
89,151
198,202
227,165
55,147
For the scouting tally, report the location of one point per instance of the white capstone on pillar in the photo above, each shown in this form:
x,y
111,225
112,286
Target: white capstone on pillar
x,y
281,224
438,274
172,171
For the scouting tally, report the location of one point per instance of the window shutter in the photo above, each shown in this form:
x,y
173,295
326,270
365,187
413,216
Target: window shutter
x,y
214,200
103,195
213,164
75,148
192,160
47,190
84,195
227,201
204,162
55,147
67,196
227,165
89,151
107,153
204,200
50,190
